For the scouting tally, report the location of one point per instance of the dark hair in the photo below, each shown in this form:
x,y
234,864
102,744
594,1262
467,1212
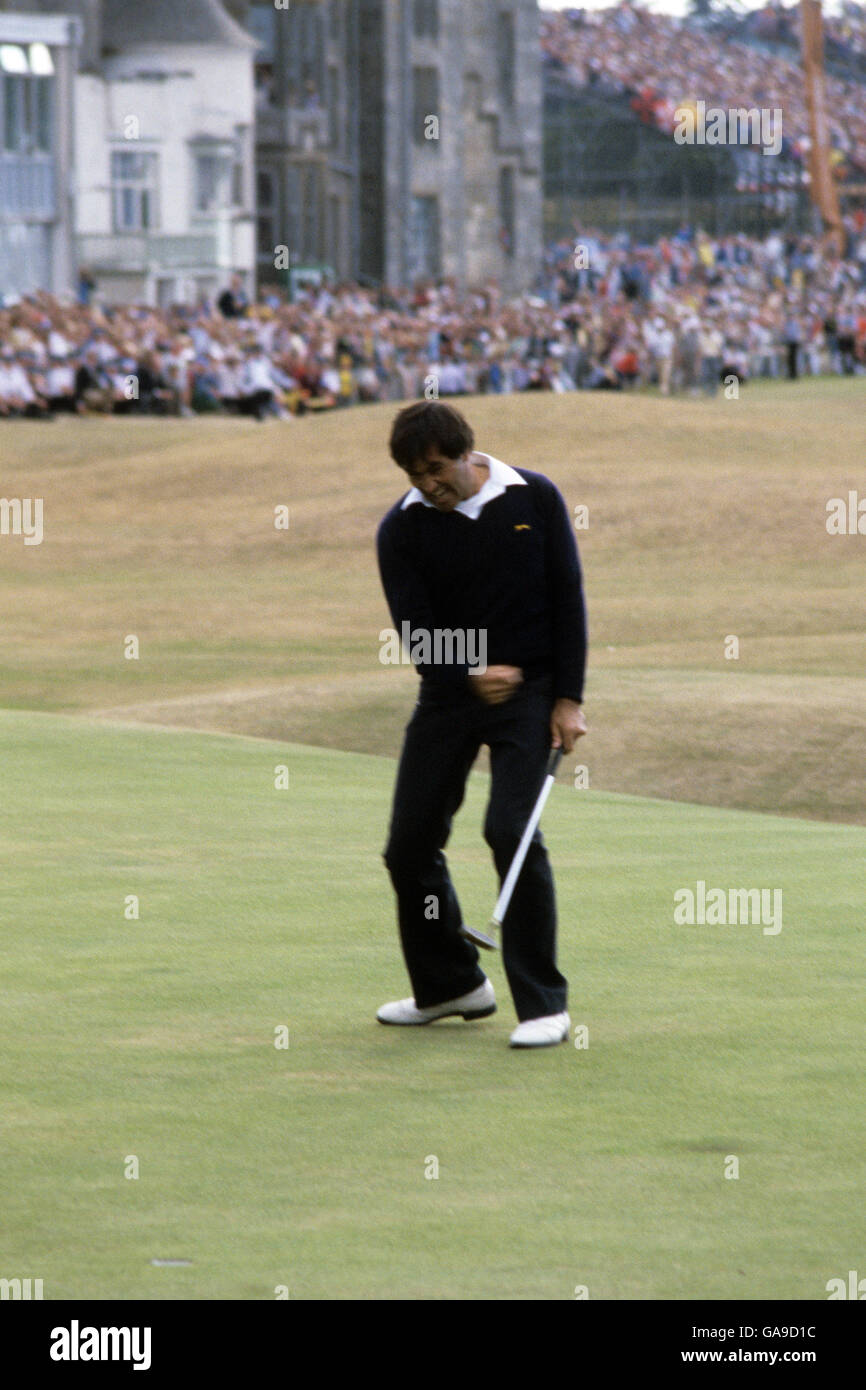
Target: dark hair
x,y
429,424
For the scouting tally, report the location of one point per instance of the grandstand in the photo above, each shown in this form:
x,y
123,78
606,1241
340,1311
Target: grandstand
x,y
615,79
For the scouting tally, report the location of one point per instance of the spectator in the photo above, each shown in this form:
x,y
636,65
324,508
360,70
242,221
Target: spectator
x,y
60,385
711,347
233,302
259,383
17,394
86,286
793,337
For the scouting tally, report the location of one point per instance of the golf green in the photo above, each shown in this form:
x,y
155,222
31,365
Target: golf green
x,y
148,1044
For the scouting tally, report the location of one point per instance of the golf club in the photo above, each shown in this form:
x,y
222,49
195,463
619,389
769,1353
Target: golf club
x,y
488,940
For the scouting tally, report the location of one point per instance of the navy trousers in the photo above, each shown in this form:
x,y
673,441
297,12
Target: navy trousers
x,y
441,742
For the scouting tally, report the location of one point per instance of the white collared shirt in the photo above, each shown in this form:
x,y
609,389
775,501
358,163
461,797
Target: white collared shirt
x,y
500,476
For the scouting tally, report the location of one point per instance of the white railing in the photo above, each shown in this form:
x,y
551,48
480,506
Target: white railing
x,y
147,251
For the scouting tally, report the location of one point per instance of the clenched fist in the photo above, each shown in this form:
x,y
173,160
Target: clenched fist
x,y
496,684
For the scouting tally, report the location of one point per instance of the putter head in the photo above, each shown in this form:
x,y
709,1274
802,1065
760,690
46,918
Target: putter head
x,y
486,940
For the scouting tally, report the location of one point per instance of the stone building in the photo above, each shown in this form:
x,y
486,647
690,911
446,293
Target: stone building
x,y
307,132
399,139
451,140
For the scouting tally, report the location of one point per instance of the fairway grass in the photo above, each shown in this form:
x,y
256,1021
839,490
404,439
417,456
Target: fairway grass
x,y
707,521
305,1167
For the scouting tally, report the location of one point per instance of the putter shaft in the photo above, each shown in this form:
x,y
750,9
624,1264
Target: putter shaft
x,y
488,940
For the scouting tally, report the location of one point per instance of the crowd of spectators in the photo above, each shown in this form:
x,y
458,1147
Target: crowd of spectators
x,y
778,23
844,30
664,64
682,313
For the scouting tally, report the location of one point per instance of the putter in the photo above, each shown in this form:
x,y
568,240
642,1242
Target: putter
x,y
488,940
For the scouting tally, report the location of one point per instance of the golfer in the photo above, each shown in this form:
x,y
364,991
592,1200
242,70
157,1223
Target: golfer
x,y
484,552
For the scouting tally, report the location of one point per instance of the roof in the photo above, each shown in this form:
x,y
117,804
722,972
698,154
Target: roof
x,y
129,22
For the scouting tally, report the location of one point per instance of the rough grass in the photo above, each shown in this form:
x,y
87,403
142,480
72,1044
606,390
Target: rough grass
x,y
706,520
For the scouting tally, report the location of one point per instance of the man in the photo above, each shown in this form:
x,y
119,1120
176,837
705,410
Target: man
x,y
233,302
661,345
711,348
259,383
60,384
18,396
484,550
793,338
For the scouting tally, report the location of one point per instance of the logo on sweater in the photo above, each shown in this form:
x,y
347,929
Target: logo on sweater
x,y
523,527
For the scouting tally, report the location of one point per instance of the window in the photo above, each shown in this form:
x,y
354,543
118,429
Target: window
x,y
213,182
261,22
307,46
133,190
506,209
13,124
505,52
426,17
40,92
424,238
426,104
27,112
309,211
266,238
220,174
290,231
266,214
265,188
333,106
335,231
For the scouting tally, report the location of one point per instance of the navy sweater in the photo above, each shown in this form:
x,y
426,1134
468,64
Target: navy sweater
x,y
514,572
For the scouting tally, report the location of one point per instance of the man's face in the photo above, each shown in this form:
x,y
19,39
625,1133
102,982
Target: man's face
x,y
444,481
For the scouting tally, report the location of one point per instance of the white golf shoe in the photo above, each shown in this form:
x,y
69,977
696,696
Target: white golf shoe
x,y
541,1032
478,1003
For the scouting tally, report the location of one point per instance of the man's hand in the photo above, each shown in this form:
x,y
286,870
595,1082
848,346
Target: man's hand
x,y
567,724
496,684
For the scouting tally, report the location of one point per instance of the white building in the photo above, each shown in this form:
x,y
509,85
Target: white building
x,y
164,152
37,72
